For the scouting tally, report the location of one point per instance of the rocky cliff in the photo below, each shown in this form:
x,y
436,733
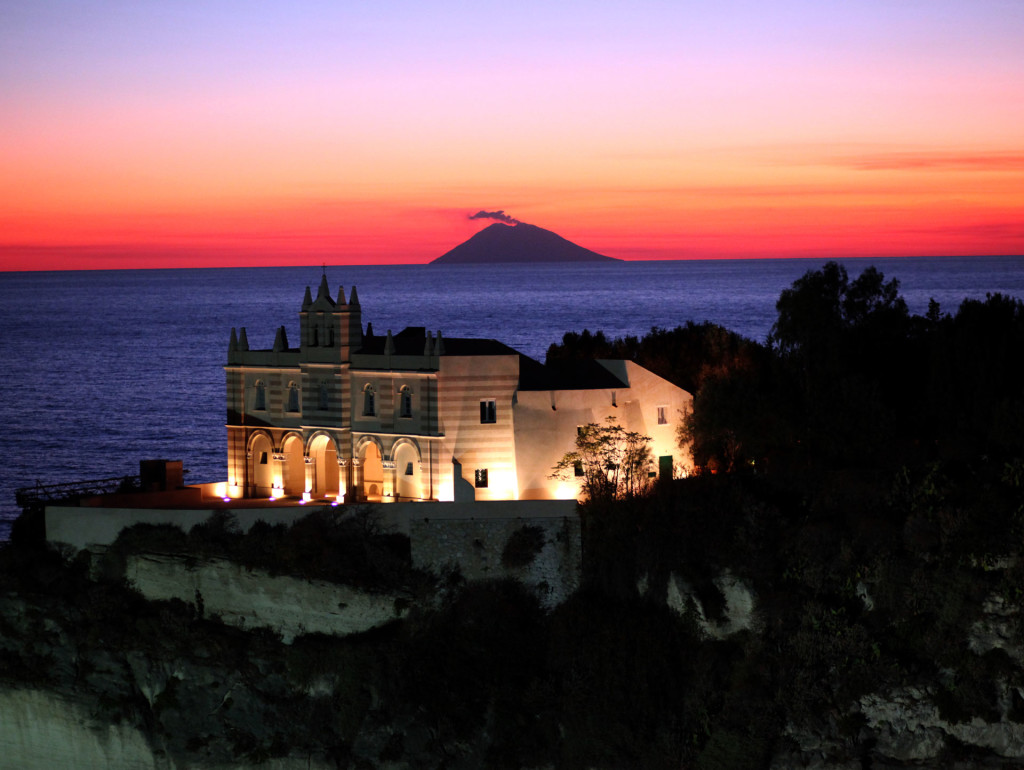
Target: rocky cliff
x,y
719,623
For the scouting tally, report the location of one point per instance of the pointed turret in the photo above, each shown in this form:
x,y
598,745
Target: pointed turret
x,y
353,298
324,292
439,347
281,340
330,331
428,345
369,328
243,340
389,345
233,342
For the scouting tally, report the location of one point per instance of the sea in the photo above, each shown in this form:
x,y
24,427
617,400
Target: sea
x,y
104,368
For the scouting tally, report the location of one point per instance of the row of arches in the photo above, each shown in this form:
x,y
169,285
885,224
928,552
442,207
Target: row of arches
x,y
294,470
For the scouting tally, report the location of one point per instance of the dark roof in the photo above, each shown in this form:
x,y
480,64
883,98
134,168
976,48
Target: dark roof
x,y
411,341
566,375
533,375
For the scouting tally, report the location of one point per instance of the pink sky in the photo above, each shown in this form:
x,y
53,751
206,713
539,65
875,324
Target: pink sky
x,y
237,133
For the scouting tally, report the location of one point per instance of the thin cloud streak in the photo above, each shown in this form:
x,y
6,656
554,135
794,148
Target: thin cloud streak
x,y
938,161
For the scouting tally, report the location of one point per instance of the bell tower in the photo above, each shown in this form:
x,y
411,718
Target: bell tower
x,y
331,330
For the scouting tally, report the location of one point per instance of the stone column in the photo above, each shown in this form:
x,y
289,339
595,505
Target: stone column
x,y
388,493
309,464
342,479
353,492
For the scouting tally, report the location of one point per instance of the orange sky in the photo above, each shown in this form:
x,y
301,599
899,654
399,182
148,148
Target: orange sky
x,y
149,135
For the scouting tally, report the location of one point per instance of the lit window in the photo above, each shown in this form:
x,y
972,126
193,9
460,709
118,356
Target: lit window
x,y
481,478
261,396
488,412
293,397
369,402
405,408
662,416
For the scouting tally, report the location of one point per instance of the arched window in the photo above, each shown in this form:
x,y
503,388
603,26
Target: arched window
x,y
293,397
260,398
405,402
322,398
369,401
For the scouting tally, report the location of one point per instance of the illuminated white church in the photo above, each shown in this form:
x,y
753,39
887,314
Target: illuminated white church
x,y
352,416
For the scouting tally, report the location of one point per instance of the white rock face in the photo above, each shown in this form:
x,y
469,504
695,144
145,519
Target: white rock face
x,y
41,731
909,728
740,603
253,598
997,629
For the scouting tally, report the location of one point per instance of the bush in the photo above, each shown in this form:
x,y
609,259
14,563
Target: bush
x,y
522,547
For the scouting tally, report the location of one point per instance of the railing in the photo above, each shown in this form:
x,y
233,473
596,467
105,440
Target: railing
x,y
40,494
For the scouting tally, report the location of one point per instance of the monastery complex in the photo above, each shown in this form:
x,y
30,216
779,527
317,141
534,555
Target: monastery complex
x,y
351,416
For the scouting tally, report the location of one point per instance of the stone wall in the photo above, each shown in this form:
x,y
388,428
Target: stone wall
x,y
545,555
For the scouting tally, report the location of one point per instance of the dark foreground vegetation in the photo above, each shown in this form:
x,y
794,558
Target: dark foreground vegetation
x,y
863,476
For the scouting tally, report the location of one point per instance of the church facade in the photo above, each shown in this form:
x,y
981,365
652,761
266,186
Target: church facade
x,y
356,417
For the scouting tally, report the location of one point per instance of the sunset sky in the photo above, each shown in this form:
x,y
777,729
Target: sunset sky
x,y
200,132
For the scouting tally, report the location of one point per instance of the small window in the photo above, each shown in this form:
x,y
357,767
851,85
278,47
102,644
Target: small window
x,y
369,402
263,458
405,403
293,397
261,396
408,469
488,412
662,415
481,478
323,397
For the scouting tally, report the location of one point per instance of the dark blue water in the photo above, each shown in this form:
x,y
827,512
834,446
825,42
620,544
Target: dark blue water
x,y
102,369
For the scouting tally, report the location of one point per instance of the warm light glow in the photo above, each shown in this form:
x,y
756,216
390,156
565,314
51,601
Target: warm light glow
x,y
566,490
306,497
272,498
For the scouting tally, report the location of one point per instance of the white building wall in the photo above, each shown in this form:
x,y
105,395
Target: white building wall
x,y
546,425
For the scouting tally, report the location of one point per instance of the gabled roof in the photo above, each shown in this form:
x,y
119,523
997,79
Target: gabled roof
x,y
567,375
412,340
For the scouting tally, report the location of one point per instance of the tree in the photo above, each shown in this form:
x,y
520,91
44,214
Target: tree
x,y
824,305
614,463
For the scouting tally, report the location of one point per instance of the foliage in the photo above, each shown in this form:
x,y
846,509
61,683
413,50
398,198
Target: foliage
x,y
850,378
523,546
686,355
613,463
343,547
